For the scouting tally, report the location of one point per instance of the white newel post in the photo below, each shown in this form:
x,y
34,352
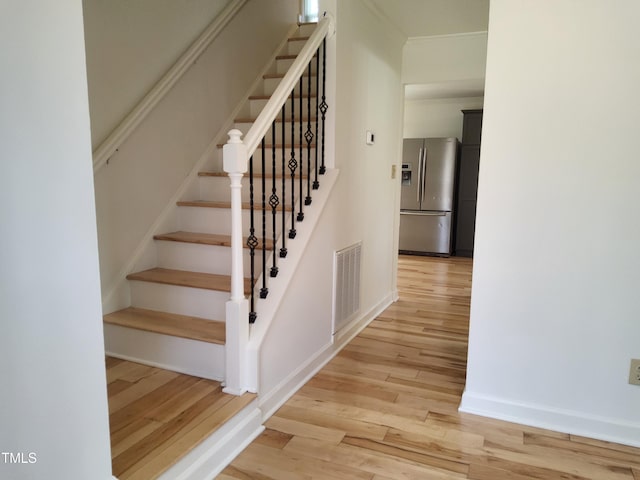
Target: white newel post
x,y
235,161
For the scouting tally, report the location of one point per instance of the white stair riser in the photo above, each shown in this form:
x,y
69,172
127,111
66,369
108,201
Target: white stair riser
x,y
257,105
283,64
270,85
193,357
217,189
305,30
218,220
244,127
194,257
294,47
216,164
195,302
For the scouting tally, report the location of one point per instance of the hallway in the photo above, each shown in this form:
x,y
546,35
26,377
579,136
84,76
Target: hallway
x,y
386,406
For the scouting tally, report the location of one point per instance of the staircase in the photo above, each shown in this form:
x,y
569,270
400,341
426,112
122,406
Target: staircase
x,y
176,320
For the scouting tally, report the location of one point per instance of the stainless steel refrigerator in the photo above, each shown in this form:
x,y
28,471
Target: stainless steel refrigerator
x,y
428,183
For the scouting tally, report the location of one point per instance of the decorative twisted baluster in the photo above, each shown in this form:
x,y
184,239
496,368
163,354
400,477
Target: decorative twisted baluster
x,y
323,105
308,136
252,243
264,291
283,249
300,216
293,164
274,201
316,184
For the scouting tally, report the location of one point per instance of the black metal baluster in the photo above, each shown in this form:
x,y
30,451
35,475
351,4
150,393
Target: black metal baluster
x,y
308,136
252,243
283,249
323,105
293,164
273,199
264,291
300,216
316,184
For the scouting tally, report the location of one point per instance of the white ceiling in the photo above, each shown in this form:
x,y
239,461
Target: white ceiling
x,y
419,18
424,18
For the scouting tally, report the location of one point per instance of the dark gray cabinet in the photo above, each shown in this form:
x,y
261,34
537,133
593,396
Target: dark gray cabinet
x,y
467,189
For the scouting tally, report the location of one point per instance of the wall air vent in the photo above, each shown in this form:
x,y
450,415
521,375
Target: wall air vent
x,y
346,285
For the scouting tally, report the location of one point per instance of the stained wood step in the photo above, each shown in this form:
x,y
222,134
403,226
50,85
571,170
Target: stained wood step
x,y
281,75
212,204
267,97
256,175
279,145
291,56
205,239
278,120
297,39
183,278
193,328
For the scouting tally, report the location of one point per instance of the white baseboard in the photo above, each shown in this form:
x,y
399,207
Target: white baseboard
x,y
211,456
271,401
567,421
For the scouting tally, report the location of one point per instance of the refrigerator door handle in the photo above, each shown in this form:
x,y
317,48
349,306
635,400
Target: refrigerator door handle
x,y
423,213
419,176
423,177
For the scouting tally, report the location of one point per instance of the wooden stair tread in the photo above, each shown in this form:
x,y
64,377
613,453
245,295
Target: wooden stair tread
x,y
256,175
183,278
205,239
281,75
212,204
278,145
297,39
193,328
278,120
291,56
267,97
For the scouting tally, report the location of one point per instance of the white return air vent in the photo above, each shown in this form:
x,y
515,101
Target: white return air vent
x,y
346,285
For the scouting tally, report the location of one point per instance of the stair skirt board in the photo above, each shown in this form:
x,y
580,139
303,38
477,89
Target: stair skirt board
x,y
192,357
217,451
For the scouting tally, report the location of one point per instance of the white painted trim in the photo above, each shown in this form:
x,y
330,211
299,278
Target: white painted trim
x,y
348,333
397,31
266,308
107,148
542,416
446,35
273,400
213,454
221,137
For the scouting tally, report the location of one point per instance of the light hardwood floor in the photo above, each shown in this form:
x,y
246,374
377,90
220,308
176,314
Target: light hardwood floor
x,y
157,416
386,406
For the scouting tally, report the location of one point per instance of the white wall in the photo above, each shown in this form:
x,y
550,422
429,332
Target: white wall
x,y
554,313
141,178
444,74
53,394
130,45
364,203
438,117
444,58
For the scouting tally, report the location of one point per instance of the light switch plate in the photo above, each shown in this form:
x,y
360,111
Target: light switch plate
x,y
634,372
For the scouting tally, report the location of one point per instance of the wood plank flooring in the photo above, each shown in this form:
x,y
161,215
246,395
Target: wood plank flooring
x,y
386,406
157,416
